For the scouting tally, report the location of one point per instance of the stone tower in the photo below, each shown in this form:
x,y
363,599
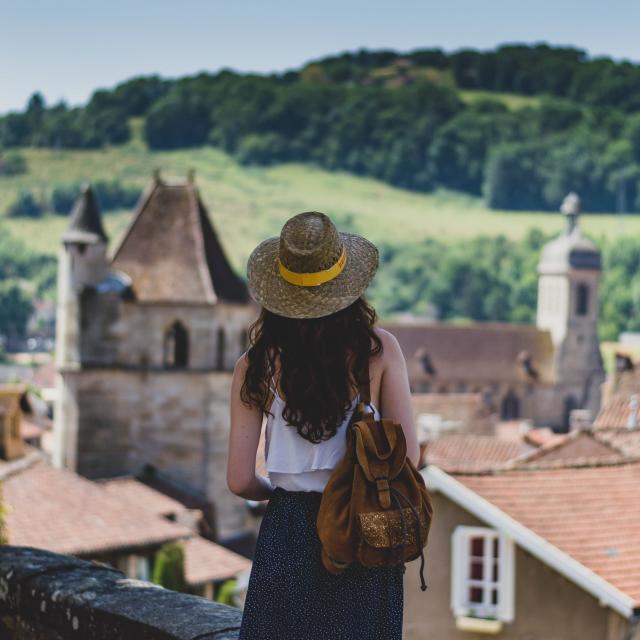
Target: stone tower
x,y
147,340
569,276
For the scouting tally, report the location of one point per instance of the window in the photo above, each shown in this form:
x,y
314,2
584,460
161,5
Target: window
x,y
482,574
582,299
176,346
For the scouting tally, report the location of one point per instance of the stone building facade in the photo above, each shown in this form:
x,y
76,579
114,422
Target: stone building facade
x,y
147,338
542,372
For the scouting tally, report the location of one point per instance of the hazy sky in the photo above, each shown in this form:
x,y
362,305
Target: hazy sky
x,y
67,48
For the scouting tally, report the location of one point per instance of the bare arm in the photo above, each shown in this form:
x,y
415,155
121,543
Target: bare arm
x,y
244,435
395,393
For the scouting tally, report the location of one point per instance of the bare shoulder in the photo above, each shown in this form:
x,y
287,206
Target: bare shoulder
x,y
240,368
391,355
390,343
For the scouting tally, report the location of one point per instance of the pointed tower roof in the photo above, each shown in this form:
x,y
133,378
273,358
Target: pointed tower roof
x,y
571,250
172,253
85,221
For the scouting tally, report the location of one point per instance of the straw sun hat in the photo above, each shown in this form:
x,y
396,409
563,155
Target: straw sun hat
x,y
312,269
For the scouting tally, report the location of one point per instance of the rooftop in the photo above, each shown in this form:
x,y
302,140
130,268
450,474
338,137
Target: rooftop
x,y
172,253
589,513
479,352
58,510
466,453
572,502
85,224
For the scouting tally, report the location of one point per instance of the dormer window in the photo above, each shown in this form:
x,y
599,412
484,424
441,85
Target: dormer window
x,y
176,346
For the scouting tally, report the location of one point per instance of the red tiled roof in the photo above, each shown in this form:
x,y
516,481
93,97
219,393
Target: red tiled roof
x,y
59,510
206,561
465,453
480,352
140,496
590,513
172,253
580,448
615,413
625,440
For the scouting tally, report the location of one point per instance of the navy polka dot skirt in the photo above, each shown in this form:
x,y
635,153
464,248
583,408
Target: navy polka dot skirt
x,y
291,596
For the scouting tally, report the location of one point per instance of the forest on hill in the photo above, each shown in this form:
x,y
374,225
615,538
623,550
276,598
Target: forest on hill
x,y
519,127
418,120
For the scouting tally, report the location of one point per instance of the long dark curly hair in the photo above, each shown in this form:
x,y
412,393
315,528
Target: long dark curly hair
x,y
321,361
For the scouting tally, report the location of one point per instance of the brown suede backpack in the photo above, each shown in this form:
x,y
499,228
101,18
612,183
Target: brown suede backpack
x,y
375,509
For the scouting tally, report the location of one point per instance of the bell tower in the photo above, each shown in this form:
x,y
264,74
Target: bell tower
x,y
82,263
569,277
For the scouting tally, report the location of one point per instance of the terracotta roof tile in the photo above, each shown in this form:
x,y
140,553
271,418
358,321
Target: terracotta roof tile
x,y
589,513
480,352
140,496
464,453
625,440
58,510
615,413
580,448
172,253
206,561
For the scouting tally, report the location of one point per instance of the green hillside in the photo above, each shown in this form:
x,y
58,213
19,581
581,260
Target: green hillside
x,y
248,204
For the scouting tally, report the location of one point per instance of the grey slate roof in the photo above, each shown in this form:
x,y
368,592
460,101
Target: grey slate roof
x,y
85,223
172,253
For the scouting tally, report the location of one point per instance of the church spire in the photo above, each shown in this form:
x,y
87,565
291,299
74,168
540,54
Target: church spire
x,y
85,224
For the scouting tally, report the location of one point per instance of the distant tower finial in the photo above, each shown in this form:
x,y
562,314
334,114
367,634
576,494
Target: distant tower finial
x,y
571,208
191,176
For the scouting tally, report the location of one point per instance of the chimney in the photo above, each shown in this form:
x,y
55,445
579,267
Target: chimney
x,y
580,420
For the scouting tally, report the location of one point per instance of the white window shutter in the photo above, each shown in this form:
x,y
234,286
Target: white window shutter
x,y
506,599
459,562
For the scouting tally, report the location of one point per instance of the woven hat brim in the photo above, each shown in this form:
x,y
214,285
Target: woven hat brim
x,y
273,292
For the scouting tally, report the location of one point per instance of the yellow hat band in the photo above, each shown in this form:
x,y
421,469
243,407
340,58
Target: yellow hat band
x,y
317,277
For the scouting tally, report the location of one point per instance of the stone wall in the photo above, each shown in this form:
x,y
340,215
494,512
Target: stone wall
x,y
48,596
177,421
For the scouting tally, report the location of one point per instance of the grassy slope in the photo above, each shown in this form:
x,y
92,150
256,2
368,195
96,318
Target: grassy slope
x,y
248,204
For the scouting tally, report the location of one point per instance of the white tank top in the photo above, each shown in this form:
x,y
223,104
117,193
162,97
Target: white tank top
x,y
294,463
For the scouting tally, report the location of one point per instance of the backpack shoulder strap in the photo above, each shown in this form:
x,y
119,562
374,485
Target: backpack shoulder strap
x,y
364,404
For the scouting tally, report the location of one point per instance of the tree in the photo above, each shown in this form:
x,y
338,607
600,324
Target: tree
x,y
168,568
15,309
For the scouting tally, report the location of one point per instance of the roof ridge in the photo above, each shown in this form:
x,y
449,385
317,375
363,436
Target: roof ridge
x,y
555,465
145,198
203,264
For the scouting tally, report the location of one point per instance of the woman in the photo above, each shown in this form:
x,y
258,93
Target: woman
x,y
310,348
